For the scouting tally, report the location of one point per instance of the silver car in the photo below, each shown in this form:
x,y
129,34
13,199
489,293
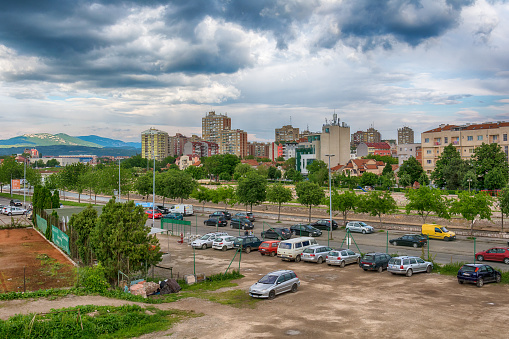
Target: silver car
x,y
207,240
342,257
223,243
409,265
359,226
315,253
13,210
275,283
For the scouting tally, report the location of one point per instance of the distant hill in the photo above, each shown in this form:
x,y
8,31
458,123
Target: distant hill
x,y
45,139
107,142
56,150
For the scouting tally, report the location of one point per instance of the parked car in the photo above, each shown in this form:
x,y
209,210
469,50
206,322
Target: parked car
x,y
280,233
292,249
341,257
315,253
13,210
174,216
162,209
374,261
241,223
247,243
15,202
415,240
207,240
269,247
324,224
157,215
216,221
359,226
478,274
248,215
185,209
224,214
223,243
437,232
275,283
305,230
494,254
408,265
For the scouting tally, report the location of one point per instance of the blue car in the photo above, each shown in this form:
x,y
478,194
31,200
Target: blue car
x,y
478,274
174,216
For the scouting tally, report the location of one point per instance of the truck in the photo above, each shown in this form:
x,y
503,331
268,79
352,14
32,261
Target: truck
x,y
437,232
185,209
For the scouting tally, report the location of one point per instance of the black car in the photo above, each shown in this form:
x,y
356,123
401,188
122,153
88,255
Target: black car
x,y
15,202
305,230
224,214
162,209
247,243
414,240
323,224
247,215
375,261
216,221
478,274
278,233
241,223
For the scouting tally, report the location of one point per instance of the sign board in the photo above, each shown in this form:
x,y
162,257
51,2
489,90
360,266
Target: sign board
x,y
60,239
16,184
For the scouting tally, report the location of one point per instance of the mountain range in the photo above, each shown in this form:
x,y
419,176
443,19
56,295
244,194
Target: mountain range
x,y
62,139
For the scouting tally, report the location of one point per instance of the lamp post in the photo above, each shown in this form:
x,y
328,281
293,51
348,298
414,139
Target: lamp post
x,y
469,181
153,185
330,201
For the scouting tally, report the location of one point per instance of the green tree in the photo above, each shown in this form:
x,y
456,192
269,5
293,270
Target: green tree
x,y
224,194
318,172
377,203
411,167
279,194
136,161
405,180
83,224
202,194
344,202
384,158
197,172
280,159
293,175
221,164
309,194
72,177
423,179
425,200
175,184
388,180
251,189
503,203
469,180
487,158
273,173
448,154
52,163
495,179
143,184
241,170
388,170
368,179
454,172
289,163
470,207
121,241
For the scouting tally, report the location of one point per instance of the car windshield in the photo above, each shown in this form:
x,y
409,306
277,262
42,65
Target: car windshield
x,y
363,223
285,245
395,261
445,230
467,268
268,279
265,244
218,240
309,250
334,254
205,237
239,241
369,257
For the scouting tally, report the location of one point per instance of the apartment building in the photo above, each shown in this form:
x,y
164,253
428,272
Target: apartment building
x,y
213,124
464,137
406,151
405,135
233,142
373,148
201,148
287,133
371,135
258,149
154,143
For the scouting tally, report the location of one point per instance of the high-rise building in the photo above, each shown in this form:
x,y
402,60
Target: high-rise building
x,y
405,135
154,143
287,133
371,135
233,142
212,125
258,149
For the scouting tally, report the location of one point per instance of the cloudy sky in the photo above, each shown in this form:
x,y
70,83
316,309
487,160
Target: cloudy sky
x,y
115,68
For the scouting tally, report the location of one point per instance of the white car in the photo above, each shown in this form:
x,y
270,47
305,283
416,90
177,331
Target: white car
x,y
359,226
13,210
223,243
207,240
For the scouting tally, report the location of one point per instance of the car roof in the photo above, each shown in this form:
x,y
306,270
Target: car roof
x,y
280,272
476,265
272,241
373,253
406,257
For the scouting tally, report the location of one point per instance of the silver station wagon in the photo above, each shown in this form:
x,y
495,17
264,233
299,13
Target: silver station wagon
x,y
409,265
275,283
315,253
342,257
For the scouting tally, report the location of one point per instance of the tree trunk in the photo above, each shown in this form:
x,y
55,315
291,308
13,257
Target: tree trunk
x,y
310,213
95,198
79,197
279,213
380,216
502,229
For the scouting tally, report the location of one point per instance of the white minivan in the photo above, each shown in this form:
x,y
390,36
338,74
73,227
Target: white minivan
x,y
292,249
184,209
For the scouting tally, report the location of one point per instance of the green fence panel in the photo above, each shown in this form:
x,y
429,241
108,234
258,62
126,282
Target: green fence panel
x,y
42,224
60,239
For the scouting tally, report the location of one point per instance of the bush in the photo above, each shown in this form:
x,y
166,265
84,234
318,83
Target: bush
x,y
93,279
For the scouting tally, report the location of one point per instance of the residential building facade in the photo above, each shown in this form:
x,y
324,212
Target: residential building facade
x,y
373,148
213,124
287,133
406,151
154,143
233,142
405,135
258,149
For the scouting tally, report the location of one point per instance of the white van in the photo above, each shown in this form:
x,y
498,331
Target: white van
x,y
184,209
292,249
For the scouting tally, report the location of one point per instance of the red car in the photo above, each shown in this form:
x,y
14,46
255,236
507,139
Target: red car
x,y
157,215
269,247
494,254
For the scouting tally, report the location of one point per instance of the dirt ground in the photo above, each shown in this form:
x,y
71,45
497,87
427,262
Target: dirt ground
x,y
331,301
45,266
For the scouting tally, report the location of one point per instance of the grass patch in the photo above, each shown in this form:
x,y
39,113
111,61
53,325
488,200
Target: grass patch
x,y
98,321
50,266
234,298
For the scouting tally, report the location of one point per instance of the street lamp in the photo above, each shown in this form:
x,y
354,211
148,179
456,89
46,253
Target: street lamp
x,y
330,201
469,181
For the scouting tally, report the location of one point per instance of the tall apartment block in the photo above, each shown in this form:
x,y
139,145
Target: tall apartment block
x,y
212,125
233,142
405,135
465,139
371,135
258,149
287,133
154,143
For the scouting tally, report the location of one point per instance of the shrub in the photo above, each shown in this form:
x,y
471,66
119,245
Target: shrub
x,y
93,279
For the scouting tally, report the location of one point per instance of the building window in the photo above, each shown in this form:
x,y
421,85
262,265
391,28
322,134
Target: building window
x,y
506,149
428,162
470,150
426,140
505,137
446,140
495,137
479,137
470,138
428,151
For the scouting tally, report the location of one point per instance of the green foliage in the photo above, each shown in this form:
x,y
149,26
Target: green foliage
x,y
175,184
411,167
488,158
43,198
347,180
241,170
279,194
472,206
384,158
318,172
83,225
447,169
251,189
224,194
221,163
423,179
196,172
388,169
495,179
469,180
503,202
368,179
344,202
52,163
405,180
144,183
293,174
93,279
309,194
425,200
274,173
377,203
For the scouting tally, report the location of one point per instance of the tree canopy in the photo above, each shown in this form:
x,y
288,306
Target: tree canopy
x,y
487,158
309,194
425,200
411,167
252,189
278,194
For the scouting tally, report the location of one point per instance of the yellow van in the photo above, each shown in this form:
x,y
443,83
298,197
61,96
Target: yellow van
x,y
437,232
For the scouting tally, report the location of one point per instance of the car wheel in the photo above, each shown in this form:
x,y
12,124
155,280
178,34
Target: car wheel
x,y
363,231
297,258
342,264
409,272
294,288
224,248
9,213
506,261
498,278
272,254
480,282
262,253
272,294
481,258
320,260
395,243
415,245
428,269
380,269
447,239
364,269
204,247
248,249
205,223
460,281
358,260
